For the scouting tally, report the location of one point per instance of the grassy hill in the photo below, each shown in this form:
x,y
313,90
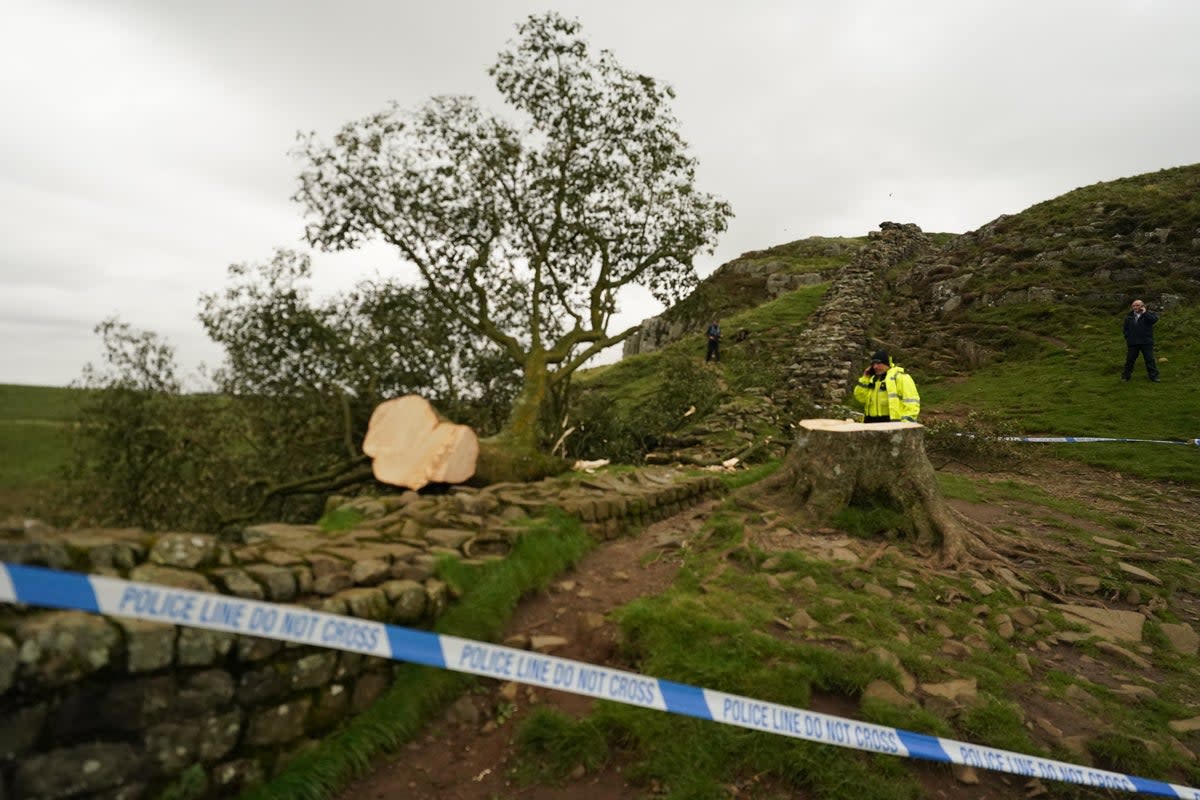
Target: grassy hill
x,y
1033,334
35,440
1017,325
1032,339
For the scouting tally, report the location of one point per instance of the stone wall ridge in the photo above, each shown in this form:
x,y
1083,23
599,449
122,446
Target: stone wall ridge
x,y
121,707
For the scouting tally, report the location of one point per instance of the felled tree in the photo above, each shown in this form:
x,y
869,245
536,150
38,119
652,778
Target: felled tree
x,y
411,446
525,232
835,464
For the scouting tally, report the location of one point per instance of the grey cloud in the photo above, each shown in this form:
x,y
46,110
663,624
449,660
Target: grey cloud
x,y
145,145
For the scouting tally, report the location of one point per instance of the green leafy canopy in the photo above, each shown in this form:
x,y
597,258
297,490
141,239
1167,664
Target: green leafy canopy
x,y
525,232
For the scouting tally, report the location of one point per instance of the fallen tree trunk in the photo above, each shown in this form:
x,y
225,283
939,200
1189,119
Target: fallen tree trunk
x,y
413,446
835,464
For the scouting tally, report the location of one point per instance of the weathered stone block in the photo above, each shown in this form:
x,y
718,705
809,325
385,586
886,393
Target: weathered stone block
x,y
283,723
205,691
367,689
366,603
407,598
1182,637
254,648
349,665
45,554
281,558
196,647
412,571
258,687
304,579
218,735
8,662
60,647
20,730
331,707
71,771
117,555
233,777
237,582
280,582
313,670
169,576
126,706
148,645
185,550
369,572
170,746
322,565
448,537
332,583
276,532
437,596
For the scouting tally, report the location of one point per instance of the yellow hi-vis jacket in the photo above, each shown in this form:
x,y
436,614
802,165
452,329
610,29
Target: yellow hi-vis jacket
x,y
894,396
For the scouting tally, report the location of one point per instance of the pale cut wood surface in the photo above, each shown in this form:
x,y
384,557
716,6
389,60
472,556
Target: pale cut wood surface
x,y
411,446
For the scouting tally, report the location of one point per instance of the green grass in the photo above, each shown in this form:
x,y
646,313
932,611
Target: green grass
x,y
691,634
1076,391
339,519
35,440
553,745
43,403
34,452
625,409
717,627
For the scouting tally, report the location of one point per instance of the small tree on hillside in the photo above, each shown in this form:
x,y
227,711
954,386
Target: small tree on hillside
x,y
525,232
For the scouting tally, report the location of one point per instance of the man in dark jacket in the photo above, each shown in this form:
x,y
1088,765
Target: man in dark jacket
x,y
714,342
1139,338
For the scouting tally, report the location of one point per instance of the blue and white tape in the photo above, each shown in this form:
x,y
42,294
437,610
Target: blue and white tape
x,y
1078,439
37,586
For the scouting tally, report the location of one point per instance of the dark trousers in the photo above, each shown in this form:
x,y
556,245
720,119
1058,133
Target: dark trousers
x,y
1147,351
714,350
877,419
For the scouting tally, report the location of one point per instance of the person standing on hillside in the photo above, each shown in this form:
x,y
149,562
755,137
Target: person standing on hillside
x,y
714,342
1139,338
887,392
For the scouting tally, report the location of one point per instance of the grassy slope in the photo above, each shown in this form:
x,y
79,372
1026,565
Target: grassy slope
x,y
1055,366
34,440
1075,391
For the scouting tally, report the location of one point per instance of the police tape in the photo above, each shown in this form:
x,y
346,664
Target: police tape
x,y
1077,439
38,586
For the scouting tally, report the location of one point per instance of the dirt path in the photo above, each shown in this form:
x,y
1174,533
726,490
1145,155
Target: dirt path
x,y
469,754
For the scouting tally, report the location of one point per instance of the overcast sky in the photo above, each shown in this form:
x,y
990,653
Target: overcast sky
x,y
144,146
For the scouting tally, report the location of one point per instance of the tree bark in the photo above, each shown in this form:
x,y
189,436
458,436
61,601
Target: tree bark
x,y
835,464
522,427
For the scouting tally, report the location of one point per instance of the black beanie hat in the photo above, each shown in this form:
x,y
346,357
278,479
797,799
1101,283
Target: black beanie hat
x,y
881,356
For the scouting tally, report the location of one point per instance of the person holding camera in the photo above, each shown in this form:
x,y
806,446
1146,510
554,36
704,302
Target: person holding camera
x,y
887,392
1139,338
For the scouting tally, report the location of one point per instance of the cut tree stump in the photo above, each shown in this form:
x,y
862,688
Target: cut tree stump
x,y
835,464
412,446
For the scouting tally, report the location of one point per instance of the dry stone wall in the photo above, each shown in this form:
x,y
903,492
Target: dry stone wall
x,y
829,352
95,707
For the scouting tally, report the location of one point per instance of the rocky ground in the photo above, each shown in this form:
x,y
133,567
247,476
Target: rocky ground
x,y
468,754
